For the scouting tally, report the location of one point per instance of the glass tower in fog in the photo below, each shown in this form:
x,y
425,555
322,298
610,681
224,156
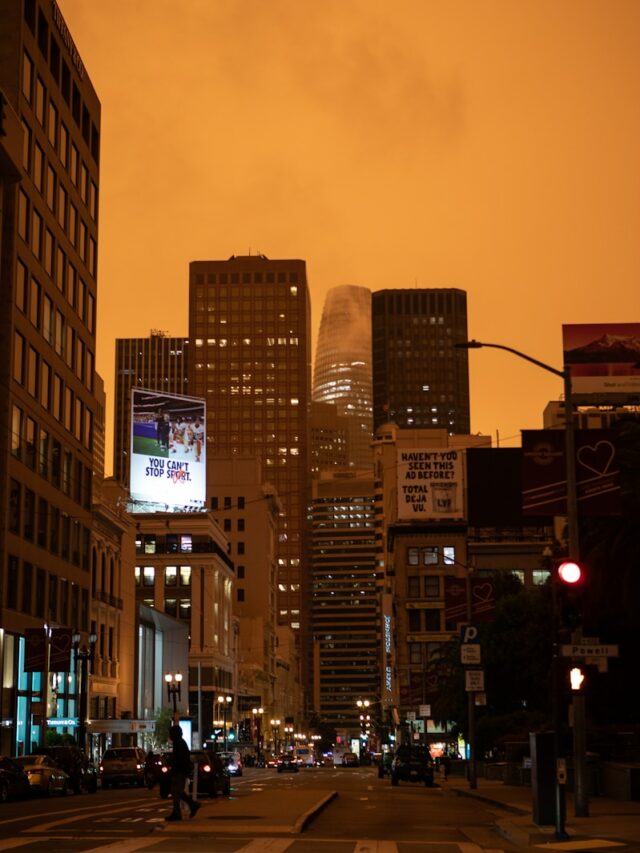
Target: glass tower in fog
x,y
342,372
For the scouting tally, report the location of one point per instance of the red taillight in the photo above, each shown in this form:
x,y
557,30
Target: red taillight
x,y
206,768
165,769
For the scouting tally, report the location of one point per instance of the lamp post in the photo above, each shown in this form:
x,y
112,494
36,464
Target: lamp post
x,y
83,656
173,680
288,735
257,719
224,702
573,547
275,734
365,720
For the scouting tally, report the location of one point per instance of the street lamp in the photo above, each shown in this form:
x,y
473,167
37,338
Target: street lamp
x,y
257,719
365,720
275,734
224,702
288,734
173,681
83,656
573,547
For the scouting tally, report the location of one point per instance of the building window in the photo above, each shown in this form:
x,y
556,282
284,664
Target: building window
x,y
432,586
241,524
171,607
413,556
240,503
240,547
240,572
413,586
150,544
148,576
414,620
171,576
186,543
185,575
415,654
538,576
137,576
449,555
240,594
226,525
430,555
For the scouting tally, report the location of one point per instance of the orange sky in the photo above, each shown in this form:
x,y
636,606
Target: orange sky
x,y
491,146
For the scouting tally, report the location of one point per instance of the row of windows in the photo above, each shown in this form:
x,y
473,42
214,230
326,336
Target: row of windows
x,y
34,89
246,278
172,543
32,372
33,301
173,575
281,341
32,445
423,587
35,592
41,240
36,520
227,503
424,620
430,555
179,608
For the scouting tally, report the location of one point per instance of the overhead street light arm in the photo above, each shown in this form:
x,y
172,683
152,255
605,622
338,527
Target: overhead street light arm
x,y
479,344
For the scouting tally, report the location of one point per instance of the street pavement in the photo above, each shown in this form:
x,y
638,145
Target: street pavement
x,y
611,823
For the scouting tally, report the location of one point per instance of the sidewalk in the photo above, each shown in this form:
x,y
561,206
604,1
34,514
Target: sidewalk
x,y
265,811
616,821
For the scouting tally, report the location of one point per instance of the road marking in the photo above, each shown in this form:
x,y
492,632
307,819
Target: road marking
x,y
11,843
376,847
266,845
38,830
76,811
128,846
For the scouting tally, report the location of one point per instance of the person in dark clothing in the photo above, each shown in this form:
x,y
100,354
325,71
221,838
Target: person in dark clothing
x,y
180,770
445,763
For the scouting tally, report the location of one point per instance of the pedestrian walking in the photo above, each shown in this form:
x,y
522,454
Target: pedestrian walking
x,y
445,763
180,770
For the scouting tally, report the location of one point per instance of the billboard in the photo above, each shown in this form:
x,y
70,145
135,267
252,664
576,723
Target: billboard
x,y
603,357
168,451
430,484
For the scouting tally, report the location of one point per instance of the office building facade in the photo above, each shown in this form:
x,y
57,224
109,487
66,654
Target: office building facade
x,y
343,369
249,327
420,381
47,409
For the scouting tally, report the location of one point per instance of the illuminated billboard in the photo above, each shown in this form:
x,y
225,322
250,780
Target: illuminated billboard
x,y
430,484
168,452
603,357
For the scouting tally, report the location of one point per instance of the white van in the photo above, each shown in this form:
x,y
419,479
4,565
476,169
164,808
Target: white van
x,y
304,756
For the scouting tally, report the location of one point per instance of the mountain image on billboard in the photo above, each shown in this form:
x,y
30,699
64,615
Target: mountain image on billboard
x,y
168,442
603,356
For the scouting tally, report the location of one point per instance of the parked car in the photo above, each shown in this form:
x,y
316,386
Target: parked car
x,y
213,777
350,759
271,761
123,764
154,767
412,764
14,782
287,764
76,764
45,777
232,762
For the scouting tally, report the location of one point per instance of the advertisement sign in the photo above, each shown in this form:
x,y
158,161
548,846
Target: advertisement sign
x,y
603,357
430,484
168,450
544,478
483,600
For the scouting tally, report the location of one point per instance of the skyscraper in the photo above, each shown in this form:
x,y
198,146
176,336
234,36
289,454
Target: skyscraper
x,y
419,379
159,363
249,326
342,371
47,304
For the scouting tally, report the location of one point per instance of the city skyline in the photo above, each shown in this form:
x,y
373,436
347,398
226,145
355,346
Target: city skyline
x,y
490,149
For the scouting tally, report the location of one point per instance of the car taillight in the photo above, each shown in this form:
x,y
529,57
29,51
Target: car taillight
x,y
206,768
101,768
165,769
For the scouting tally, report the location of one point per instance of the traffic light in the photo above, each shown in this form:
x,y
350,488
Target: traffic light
x,y
231,736
569,583
576,677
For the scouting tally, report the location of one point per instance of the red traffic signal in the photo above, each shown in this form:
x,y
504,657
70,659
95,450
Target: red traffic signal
x,y
570,572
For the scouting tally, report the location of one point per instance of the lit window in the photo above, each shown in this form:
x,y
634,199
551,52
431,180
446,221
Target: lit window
x,y
186,543
185,575
449,555
171,575
137,576
148,576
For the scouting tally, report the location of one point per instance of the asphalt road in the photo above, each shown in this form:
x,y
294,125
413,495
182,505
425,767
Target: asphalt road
x,y
367,816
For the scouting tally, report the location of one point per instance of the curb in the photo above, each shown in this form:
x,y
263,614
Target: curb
x,y
497,803
305,818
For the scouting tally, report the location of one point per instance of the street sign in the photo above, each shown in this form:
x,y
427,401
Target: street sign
x,y
474,680
469,634
584,650
425,710
470,653
411,716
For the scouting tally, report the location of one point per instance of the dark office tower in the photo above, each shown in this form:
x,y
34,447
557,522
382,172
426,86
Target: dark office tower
x,y
159,363
48,245
345,603
419,379
342,372
249,327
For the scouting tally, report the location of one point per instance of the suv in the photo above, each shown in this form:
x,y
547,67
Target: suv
x,y
412,764
213,778
75,763
123,764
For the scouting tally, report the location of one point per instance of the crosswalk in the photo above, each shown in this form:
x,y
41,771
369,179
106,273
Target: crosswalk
x,y
160,843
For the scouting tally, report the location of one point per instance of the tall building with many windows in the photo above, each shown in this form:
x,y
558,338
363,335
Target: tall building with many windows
x,y
159,363
47,331
249,327
420,380
342,372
